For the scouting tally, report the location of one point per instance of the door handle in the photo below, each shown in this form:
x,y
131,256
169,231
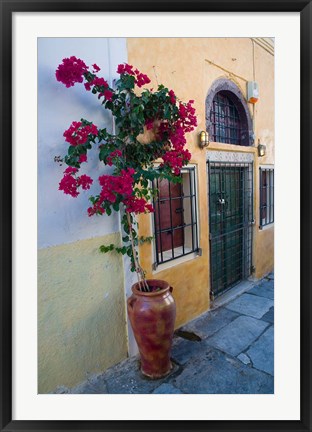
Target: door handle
x,y
179,210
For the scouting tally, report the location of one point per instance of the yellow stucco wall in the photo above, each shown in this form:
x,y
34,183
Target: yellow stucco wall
x,y
190,66
81,312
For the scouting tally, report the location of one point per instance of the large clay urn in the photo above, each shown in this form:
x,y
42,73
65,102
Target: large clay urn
x,y
152,315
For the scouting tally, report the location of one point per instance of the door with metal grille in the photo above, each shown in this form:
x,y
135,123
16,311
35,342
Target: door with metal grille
x,y
169,218
230,220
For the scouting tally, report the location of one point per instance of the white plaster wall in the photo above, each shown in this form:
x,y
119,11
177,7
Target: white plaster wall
x,y
62,218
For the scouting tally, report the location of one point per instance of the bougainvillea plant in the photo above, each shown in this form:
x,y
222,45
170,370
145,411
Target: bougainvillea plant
x,y
130,187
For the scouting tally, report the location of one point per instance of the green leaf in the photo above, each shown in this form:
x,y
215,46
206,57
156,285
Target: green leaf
x,y
143,240
116,206
122,250
126,82
71,150
167,113
105,249
109,105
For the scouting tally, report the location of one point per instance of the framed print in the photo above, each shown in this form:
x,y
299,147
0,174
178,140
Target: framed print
x,y
202,142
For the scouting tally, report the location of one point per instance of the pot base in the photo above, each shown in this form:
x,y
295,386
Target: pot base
x,y
156,376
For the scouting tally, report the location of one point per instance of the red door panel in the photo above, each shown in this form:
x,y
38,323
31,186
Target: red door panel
x,y
170,196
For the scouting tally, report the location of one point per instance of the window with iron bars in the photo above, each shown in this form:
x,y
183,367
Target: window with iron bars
x,y
266,196
175,218
227,126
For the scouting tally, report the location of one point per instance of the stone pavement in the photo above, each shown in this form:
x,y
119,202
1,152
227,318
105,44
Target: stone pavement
x,y
228,350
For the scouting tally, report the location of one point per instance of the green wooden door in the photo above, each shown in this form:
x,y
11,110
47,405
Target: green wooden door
x,y
226,202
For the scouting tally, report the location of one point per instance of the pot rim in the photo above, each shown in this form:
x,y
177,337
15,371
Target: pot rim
x,y
163,285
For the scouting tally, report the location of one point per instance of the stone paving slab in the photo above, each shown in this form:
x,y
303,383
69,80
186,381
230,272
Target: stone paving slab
x,y
167,389
237,336
261,352
265,289
216,373
244,358
131,381
269,316
211,322
183,350
94,385
248,304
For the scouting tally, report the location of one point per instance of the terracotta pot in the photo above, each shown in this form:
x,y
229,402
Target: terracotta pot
x,y
152,316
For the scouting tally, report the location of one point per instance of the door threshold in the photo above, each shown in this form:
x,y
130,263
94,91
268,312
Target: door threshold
x,y
232,293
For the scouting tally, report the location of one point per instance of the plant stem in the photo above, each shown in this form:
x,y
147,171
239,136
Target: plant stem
x,y
137,266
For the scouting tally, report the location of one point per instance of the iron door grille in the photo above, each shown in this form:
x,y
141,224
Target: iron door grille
x,y
175,218
230,221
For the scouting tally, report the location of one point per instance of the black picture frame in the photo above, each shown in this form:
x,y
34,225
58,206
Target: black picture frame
x,y
7,9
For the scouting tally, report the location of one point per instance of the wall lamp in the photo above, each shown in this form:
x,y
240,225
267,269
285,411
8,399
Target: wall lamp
x,y
261,149
203,139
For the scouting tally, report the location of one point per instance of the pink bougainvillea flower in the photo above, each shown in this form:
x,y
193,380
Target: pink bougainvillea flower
x,y
83,158
149,208
116,185
84,181
112,156
125,68
140,78
71,170
108,94
172,96
176,159
137,205
71,71
79,134
149,123
96,209
88,86
99,82
68,185
177,138
70,182
187,117
96,68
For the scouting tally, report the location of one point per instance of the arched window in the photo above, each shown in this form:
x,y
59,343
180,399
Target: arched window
x,y
227,115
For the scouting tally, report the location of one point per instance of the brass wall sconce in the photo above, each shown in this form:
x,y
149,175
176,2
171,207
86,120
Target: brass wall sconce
x,y
203,139
261,149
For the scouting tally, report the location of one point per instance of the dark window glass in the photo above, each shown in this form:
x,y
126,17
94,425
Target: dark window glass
x,y
225,119
266,196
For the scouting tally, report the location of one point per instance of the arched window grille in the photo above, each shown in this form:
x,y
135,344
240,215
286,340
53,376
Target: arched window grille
x,y
226,123
227,115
